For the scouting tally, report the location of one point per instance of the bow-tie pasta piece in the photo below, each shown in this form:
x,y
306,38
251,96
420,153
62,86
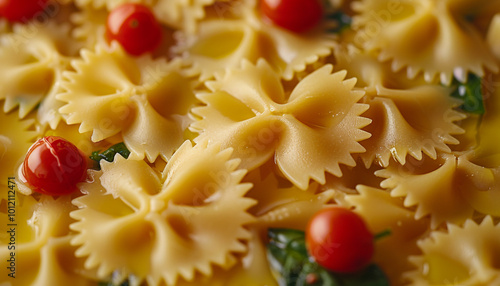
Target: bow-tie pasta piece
x,y
221,44
408,116
432,37
33,58
157,226
432,186
144,100
42,249
410,122
464,255
308,130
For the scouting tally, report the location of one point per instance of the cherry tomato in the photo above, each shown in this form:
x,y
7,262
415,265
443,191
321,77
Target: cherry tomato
x,y
295,15
339,240
21,10
135,27
53,166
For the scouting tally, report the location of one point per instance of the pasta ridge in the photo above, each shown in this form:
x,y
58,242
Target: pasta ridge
x,y
445,264
429,190
413,122
29,72
289,54
267,124
428,28
130,96
177,211
42,235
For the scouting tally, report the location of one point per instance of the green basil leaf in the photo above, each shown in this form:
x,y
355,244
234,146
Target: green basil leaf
x,y
471,93
109,154
288,256
372,275
342,20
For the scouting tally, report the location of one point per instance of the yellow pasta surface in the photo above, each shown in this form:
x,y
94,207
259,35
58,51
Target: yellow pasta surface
x,y
235,125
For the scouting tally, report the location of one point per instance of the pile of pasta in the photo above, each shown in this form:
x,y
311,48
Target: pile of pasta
x,y
236,125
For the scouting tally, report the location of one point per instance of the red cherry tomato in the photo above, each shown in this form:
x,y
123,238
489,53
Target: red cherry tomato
x,y
21,10
53,166
339,240
135,27
295,15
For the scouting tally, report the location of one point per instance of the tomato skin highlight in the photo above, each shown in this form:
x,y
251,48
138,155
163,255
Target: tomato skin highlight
x,y
339,240
53,166
21,10
295,15
135,27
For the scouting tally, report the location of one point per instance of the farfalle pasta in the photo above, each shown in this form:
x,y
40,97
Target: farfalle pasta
x,y
438,31
33,58
248,109
135,97
440,263
397,106
286,52
435,191
410,122
164,216
235,126
43,242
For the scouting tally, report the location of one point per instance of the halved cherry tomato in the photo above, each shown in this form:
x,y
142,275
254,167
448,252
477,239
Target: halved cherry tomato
x,y
135,27
295,15
339,240
53,166
21,10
